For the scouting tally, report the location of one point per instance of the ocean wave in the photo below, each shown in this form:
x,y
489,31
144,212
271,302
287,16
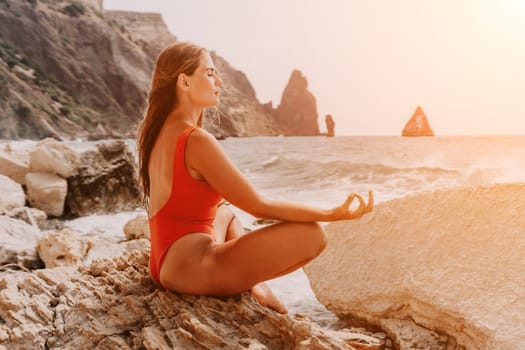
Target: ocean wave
x,y
309,169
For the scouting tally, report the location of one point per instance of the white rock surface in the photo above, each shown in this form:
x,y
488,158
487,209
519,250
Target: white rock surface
x,y
52,156
452,261
18,243
46,192
11,195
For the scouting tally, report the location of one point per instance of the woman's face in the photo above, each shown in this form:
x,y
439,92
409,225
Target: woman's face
x,y
204,83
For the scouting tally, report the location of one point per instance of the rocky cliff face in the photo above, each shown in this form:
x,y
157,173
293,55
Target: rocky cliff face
x,y
69,70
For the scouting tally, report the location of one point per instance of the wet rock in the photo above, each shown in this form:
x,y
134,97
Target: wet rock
x,y
446,261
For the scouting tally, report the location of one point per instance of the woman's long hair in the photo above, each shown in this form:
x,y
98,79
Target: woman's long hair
x,y
162,99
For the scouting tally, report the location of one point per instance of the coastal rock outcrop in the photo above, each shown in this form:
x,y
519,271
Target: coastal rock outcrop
x,y
297,112
113,304
106,181
448,262
418,125
330,125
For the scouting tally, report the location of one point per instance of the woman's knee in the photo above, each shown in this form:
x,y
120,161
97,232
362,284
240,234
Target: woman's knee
x,y
317,238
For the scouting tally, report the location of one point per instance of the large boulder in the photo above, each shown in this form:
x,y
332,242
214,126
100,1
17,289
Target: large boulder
x,y
47,192
11,195
450,261
18,244
418,125
105,182
112,304
297,112
14,164
52,156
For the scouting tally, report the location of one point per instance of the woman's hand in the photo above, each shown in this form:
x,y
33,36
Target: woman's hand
x,y
343,212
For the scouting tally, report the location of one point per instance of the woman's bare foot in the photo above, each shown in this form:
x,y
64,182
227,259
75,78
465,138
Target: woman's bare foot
x,y
262,293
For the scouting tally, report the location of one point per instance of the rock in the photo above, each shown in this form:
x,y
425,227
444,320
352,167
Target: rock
x,y
330,125
18,243
113,304
11,195
32,216
46,192
297,112
418,125
106,181
52,156
14,165
62,248
137,228
107,247
449,261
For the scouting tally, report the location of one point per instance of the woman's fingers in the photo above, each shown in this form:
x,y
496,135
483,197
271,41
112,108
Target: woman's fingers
x,y
349,200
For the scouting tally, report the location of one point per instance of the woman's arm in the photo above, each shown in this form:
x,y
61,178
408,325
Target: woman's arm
x,y
205,155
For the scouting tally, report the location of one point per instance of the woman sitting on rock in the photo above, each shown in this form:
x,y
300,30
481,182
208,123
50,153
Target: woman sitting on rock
x,y
196,243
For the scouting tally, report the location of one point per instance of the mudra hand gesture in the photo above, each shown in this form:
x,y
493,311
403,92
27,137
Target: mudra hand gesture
x,y
343,212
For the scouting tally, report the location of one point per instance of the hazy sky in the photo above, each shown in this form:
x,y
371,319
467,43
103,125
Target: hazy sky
x,y
369,63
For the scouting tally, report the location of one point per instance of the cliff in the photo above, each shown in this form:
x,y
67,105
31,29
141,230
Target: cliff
x,y
71,70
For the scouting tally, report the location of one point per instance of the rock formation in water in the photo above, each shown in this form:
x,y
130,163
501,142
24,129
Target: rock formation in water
x,y
446,265
297,112
330,125
418,125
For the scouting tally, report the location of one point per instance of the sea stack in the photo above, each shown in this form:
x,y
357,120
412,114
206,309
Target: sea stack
x,y
330,125
297,112
418,125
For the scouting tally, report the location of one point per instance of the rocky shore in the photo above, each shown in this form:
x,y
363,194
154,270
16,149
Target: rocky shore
x,y
60,289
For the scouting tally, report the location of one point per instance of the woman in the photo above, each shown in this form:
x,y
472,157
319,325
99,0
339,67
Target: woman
x,y
196,243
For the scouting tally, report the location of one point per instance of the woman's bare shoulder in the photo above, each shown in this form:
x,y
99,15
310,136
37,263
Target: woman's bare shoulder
x,y
202,139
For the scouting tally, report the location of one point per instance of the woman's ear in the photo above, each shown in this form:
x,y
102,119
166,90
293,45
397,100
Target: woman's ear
x,y
183,82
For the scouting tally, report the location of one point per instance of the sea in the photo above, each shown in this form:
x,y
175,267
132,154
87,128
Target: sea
x,y
322,171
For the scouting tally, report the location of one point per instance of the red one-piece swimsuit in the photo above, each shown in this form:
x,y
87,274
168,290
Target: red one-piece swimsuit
x,y
190,208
